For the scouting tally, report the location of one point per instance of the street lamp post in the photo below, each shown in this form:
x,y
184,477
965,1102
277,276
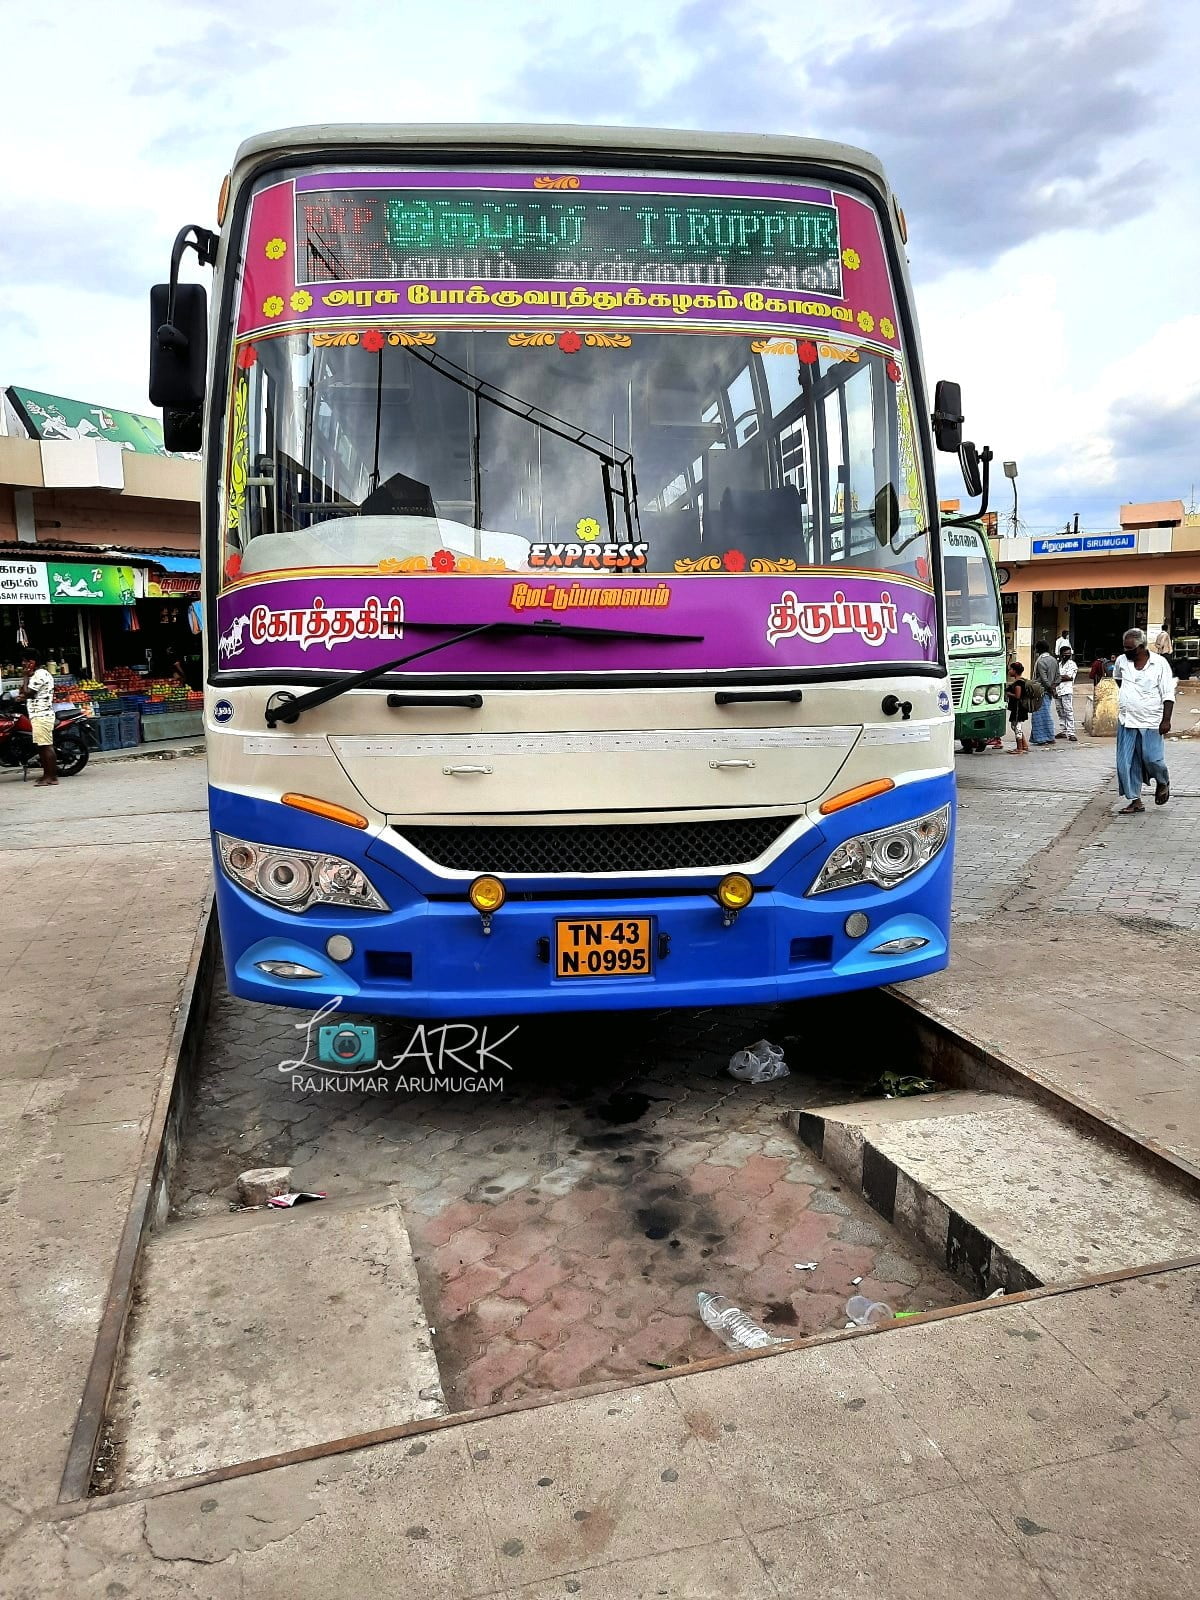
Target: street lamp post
x,y
1010,472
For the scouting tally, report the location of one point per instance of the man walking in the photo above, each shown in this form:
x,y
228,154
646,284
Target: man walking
x,y
1146,700
38,693
1067,671
1045,673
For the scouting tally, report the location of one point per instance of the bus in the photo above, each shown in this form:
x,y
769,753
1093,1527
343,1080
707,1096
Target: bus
x,y
572,586
974,636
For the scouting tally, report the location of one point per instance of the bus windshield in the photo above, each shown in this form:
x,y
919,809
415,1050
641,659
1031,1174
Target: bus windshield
x,y
625,390
971,600
486,451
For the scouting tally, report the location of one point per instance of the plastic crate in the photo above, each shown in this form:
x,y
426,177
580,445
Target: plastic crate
x,y
106,706
155,708
132,702
105,732
131,729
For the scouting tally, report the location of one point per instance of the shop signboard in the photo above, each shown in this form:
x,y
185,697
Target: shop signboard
x,y
23,583
1082,544
53,416
66,583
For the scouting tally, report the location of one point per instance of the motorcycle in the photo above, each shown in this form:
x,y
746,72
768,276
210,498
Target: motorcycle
x,y
17,749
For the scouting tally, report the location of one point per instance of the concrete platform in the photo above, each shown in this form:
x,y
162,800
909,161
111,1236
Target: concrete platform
x,y
1006,1192
270,1330
1016,1452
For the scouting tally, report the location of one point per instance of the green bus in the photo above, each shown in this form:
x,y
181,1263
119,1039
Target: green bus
x,y
974,636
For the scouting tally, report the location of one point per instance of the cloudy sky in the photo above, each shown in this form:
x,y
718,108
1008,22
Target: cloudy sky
x,y
1044,153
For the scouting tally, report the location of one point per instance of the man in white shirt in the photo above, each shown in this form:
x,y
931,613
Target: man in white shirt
x,y
1064,702
1146,700
1061,643
37,690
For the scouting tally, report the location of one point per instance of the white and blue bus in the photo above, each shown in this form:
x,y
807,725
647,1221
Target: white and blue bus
x,y
574,631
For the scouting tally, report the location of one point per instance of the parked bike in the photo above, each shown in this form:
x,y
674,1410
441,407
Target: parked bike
x,y
72,744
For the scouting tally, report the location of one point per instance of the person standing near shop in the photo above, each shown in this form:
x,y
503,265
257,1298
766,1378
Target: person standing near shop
x,y
1147,698
37,690
1065,703
1045,672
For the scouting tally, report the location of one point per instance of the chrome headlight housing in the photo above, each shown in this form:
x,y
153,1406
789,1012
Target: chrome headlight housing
x,y
995,693
977,695
294,880
887,856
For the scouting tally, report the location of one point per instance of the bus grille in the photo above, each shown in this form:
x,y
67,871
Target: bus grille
x,y
957,684
621,847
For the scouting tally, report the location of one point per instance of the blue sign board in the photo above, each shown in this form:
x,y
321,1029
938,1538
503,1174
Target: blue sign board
x,y
1083,543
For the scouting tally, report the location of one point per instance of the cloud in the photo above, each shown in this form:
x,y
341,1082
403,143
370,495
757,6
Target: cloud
x,y
102,251
992,132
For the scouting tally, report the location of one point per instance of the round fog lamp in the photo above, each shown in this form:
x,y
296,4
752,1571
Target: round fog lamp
x,y
735,892
486,894
338,947
857,924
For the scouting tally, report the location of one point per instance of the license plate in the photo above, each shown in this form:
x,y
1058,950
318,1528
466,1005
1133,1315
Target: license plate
x,y
603,947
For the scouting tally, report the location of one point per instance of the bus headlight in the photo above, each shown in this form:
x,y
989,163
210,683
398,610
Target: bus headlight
x,y
293,880
977,696
995,693
886,857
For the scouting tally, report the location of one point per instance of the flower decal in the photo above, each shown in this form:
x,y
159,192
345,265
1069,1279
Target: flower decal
x,y
443,561
892,368
851,260
587,528
569,342
922,566
887,327
246,357
272,305
807,351
301,300
733,561
233,567
372,340
866,321
276,249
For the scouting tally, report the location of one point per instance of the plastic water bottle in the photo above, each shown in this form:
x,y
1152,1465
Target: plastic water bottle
x,y
731,1324
864,1313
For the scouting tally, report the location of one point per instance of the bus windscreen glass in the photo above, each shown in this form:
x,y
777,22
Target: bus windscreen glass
x,y
683,398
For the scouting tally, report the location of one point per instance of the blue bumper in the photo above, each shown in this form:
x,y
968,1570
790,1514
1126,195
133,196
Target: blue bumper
x,y
429,957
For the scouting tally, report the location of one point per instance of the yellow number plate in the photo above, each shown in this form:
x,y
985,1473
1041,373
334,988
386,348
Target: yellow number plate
x,y
603,948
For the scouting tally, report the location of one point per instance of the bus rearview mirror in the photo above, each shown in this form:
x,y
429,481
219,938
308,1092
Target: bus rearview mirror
x,y
947,416
969,461
178,346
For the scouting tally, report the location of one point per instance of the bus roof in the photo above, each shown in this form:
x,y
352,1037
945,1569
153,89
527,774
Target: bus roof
x,y
482,141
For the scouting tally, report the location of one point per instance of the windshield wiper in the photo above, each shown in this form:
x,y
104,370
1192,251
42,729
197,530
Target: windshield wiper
x,y
289,710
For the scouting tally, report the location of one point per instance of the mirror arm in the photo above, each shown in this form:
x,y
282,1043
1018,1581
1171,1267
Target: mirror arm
x,y
204,242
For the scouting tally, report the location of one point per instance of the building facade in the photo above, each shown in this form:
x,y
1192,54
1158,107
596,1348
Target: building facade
x,y
99,540
1145,573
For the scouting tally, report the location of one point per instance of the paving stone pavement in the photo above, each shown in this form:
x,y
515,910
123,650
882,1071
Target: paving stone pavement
x,y
564,1226
1011,809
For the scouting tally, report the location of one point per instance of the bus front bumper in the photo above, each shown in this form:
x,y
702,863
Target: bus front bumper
x,y
433,958
980,724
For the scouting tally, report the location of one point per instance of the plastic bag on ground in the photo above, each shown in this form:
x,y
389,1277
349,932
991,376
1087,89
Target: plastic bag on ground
x,y
761,1063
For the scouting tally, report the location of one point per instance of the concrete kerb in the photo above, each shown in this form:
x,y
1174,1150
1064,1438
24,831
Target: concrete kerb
x,y
147,1206
956,1058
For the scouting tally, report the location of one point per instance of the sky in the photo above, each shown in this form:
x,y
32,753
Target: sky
x,y
1043,152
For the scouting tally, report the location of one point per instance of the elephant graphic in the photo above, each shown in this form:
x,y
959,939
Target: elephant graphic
x,y
921,631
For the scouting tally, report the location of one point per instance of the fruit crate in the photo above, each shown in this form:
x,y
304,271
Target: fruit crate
x,y
131,729
104,732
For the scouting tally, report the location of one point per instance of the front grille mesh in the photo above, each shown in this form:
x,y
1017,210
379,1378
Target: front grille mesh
x,y
621,847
